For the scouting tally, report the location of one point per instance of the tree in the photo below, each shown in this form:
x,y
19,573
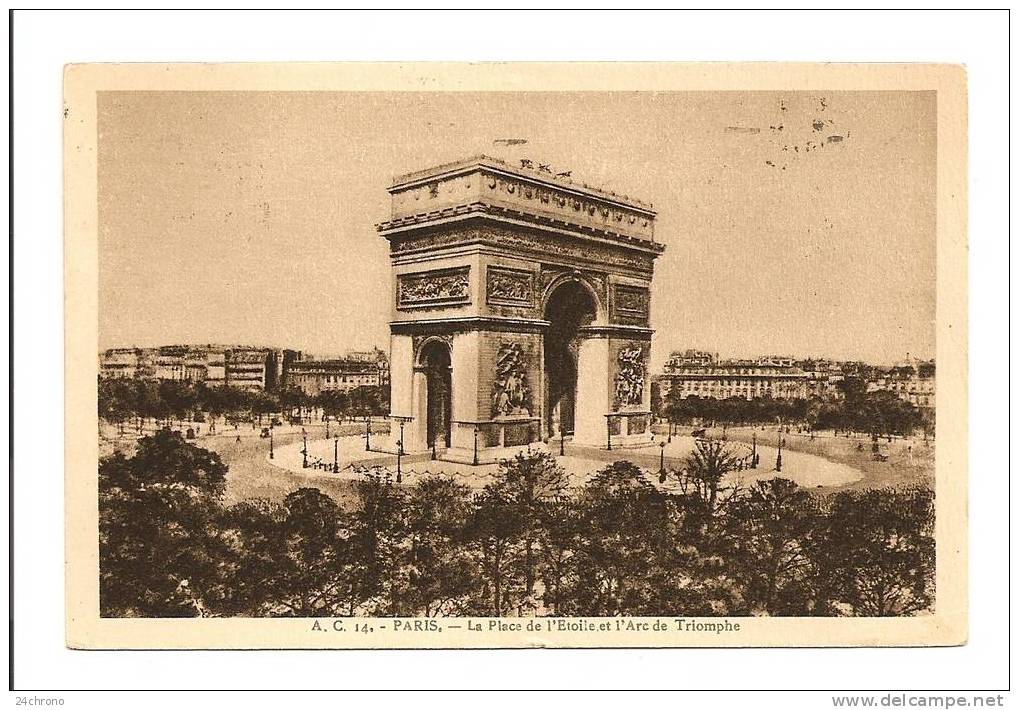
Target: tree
x,y
657,403
707,465
178,398
874,553
767,532
293,398
377,529
530,479
116,401
334,403
157,528
369,400
251,533
262,404
626,532
309,578
440,576
148,402
494,531
561,529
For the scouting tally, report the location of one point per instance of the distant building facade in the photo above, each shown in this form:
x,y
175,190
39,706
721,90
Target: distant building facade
x,y
126,363
248,368
316,376
703,374
912,381
824,377
355,369
170,363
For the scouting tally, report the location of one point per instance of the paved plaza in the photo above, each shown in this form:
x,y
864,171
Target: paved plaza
x,y
579,463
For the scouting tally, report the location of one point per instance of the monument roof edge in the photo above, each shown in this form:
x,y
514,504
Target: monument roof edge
x,y
407,180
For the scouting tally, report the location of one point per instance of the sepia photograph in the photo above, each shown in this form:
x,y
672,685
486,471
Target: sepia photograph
x,y
512,367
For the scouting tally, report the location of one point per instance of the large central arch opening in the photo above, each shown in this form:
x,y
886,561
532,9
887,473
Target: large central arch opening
x,y
436,362
570,306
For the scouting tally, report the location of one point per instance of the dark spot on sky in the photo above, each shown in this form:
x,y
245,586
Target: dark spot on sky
x,y
818,125
834,139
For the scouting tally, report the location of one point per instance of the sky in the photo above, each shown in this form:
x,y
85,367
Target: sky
x,y
798,223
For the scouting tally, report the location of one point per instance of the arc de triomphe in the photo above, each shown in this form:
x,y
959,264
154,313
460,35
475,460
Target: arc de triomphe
x,y
520,306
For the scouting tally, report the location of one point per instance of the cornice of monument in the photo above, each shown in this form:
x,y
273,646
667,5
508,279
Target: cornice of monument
x,y
500,213
536,177
450,324
467,323
616,330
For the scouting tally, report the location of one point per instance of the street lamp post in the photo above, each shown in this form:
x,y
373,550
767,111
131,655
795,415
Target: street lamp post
x,y
327,427
270,442
778,459
336,455
475,445
367,433
753,453
562,443
304,451
661,467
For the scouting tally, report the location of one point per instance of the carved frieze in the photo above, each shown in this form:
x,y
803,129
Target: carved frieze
x,y
629,385
511,287
441,287
574,250
510,393
570,248
434,239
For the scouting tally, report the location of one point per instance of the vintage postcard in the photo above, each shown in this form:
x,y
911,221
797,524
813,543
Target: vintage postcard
x,y
515,355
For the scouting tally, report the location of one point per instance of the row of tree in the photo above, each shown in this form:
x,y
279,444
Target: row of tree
x,y
124,400
525,544
734,410
880,413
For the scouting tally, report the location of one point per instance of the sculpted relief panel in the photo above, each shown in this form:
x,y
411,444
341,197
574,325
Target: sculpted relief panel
x,y
510,286
629,385
510,393
442,287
